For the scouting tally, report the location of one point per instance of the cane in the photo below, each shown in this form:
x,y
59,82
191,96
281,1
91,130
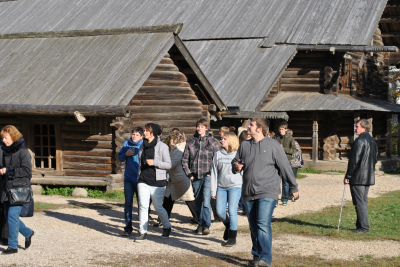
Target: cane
x,y
344,191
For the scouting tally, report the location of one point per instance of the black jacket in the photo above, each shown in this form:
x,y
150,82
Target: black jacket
x,y
362,160
17,160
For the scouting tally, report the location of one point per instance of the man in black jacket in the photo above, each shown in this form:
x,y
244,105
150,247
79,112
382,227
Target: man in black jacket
x,y
361,172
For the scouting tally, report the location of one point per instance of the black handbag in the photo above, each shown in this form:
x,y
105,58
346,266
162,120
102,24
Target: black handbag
x,y
28,209
19,196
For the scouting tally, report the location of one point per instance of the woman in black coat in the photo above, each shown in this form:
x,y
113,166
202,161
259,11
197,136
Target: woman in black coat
x,y
3,220
16,172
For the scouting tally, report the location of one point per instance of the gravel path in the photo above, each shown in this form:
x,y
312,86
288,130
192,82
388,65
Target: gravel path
x,y
86,236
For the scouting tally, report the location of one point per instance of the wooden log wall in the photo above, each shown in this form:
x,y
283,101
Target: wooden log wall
x,y
85,154
167,98
380,132
305,73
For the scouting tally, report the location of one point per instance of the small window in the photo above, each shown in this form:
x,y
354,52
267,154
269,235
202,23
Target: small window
x,y
45,146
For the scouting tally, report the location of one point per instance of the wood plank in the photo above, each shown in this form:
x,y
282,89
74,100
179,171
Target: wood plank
x,y
171,102
87,166
59,162
88,152
166,116
83,136
168,75
85,173
165,90
163,109
139,96
168,123
301,87
75,128
88,159
303,74
302,81
152,82
89,143
166,67
66,181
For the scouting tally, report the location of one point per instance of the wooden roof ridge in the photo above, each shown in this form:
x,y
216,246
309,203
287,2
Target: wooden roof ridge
x,y
173,28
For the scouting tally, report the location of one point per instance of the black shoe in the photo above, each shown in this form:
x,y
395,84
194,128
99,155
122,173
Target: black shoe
x,y
28,240
10,251
206,231
255,261
193,221
199,230
141,238
4,242
359,230
166,232
232,238
157,225
226,232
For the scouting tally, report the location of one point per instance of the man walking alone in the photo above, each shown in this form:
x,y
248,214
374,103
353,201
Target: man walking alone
x,y
261,158
361,172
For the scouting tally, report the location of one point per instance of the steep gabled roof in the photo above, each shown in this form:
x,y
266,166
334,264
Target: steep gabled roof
x,y
341,22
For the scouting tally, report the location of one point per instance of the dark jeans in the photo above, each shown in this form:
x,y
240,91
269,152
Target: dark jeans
x,y
295,169
359,194
169,204
129,190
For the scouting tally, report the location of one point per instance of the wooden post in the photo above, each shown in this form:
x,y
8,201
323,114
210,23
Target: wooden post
x,y
356,118
315,137
370,120
398,135
389,136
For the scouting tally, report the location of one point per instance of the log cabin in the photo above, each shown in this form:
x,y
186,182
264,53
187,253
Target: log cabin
x,y
114,78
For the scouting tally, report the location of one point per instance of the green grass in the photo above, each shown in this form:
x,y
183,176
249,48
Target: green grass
x,y
337,171
309,170
92,193
384,218
300,176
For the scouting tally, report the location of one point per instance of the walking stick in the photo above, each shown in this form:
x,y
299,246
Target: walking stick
x,y
344,191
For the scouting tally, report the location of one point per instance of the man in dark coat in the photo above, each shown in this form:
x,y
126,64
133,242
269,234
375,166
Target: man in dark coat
x,y
361,172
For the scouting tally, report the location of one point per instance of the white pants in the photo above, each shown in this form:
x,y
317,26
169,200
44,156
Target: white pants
x,y
157,195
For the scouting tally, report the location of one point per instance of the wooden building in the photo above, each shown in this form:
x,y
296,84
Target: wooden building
x,y
114,78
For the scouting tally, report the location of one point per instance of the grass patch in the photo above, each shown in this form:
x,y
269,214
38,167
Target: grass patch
x,y
384,218
300,176
92,193
337,171
239,259
40,206
309,170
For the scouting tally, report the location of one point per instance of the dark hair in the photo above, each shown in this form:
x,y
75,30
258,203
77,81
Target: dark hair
x,y
203,122
261,123
243,136
137,130
283,124
174,129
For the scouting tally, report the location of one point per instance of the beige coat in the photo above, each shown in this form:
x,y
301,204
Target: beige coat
x,y
179,185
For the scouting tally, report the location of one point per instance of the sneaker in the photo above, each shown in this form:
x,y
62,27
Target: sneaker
x,y
166,232
199,230
140,238
127,233
276,204
263,263
284,203
255,261
206,231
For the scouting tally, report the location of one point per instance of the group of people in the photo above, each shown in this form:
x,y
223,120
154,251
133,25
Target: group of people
x,y
203,168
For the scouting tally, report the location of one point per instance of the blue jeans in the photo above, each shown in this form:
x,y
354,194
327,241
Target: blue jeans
x,y
157,195
202,195
129,190
285,191
259,214
15,225
232,196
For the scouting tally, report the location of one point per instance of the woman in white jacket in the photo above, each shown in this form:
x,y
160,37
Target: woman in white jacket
x,y
226,187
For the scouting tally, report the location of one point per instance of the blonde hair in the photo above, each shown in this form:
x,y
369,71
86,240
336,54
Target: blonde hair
x,y
233,141
224,129
12,131
177,137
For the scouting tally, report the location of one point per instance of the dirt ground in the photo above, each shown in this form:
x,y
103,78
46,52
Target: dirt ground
x,y
88,233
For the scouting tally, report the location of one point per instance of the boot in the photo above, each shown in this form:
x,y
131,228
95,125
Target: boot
x,y
232,238
226,232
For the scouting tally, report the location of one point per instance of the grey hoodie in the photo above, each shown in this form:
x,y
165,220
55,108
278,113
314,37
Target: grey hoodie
x,y
221,172
262,162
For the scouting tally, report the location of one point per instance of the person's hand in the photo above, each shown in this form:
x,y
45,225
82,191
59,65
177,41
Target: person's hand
x,y
214,197
3,171
150,162
296,195
238,166
191,178
346,181
130,152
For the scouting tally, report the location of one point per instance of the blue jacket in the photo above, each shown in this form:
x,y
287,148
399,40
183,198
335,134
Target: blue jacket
x,y
133,162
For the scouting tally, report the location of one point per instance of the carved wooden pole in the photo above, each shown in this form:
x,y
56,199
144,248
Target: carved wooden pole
x,y
315,137
389,136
